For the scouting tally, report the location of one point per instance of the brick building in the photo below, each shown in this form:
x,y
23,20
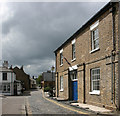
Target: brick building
x,y
23,77
48,79
87,64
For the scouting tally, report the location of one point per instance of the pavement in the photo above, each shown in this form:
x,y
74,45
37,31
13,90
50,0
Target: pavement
x,y
13,105
86,107
91,108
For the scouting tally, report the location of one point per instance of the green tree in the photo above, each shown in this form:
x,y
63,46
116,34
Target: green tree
x,y
39,79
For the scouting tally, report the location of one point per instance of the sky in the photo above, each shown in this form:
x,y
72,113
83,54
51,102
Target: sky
x,y
31,31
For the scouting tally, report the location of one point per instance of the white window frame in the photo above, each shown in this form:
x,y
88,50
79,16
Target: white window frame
x,y
6,88
73,75
94,39
94,91
61,83
73,50
61,57
3,76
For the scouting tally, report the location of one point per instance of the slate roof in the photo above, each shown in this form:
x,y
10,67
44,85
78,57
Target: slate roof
x,y
88,23
47,76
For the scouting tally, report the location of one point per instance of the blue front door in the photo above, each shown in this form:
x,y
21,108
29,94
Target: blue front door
x,y
75,90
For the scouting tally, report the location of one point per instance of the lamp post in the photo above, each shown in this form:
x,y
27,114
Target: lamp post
x,y
52,68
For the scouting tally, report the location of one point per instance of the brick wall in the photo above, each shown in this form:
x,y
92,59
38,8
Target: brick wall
x,y
100,58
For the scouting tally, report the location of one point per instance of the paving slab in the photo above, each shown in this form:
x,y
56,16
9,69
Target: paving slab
x,y
13,105
92,108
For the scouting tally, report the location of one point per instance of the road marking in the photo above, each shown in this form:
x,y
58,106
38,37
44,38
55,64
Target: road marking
x,y
80,112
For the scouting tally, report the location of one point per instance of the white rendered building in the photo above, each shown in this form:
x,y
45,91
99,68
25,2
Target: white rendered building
x,y
8,83
7,78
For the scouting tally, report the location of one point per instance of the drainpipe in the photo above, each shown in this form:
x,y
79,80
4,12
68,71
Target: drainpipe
x,y
113,57
68,85
56,73
11,83
112,72
84,83
57,85
119,58
112,75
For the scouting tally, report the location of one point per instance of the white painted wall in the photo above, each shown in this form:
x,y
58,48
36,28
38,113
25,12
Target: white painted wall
x,y
10,77
19,88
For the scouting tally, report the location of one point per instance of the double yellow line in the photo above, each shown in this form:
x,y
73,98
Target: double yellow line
x,y
61,105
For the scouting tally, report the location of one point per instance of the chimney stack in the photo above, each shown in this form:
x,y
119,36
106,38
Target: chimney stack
x,y
5,64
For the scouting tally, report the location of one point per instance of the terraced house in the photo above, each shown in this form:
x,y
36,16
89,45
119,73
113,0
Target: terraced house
x,y
88,63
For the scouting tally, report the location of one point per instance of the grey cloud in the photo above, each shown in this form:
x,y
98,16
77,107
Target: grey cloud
x,y
37,29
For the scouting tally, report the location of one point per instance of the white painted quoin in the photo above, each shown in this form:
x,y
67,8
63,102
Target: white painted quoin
x,y
7,79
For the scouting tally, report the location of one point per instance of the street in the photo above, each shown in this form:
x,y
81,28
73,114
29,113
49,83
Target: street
x,y
34,102
39,105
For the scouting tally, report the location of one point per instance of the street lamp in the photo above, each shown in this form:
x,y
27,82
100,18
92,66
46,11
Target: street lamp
x,y
52,68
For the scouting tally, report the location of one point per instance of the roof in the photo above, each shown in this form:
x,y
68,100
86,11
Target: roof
x,y
4,69
47,76
89,22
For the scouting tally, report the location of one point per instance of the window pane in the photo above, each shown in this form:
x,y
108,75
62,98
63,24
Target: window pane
x,y
96,43
95,85
73,75
4,76
8,87
61,82
4,87
97,33
95,79
73,51
61,58
95,39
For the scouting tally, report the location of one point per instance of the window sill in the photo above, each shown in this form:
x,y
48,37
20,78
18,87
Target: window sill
x,y
61,90
61,65
94,93
73,60
95,50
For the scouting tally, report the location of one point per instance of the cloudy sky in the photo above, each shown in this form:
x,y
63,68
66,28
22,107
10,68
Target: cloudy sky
x,y
31,31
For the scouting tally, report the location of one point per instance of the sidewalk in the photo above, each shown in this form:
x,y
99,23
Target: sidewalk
x,y
86,107
92,108
13,105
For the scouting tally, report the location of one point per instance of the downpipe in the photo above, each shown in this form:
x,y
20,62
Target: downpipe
x,y
112,78
113,49
113,58
119,59
84,84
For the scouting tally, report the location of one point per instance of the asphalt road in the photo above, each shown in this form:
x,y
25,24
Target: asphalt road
x,y
39,105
